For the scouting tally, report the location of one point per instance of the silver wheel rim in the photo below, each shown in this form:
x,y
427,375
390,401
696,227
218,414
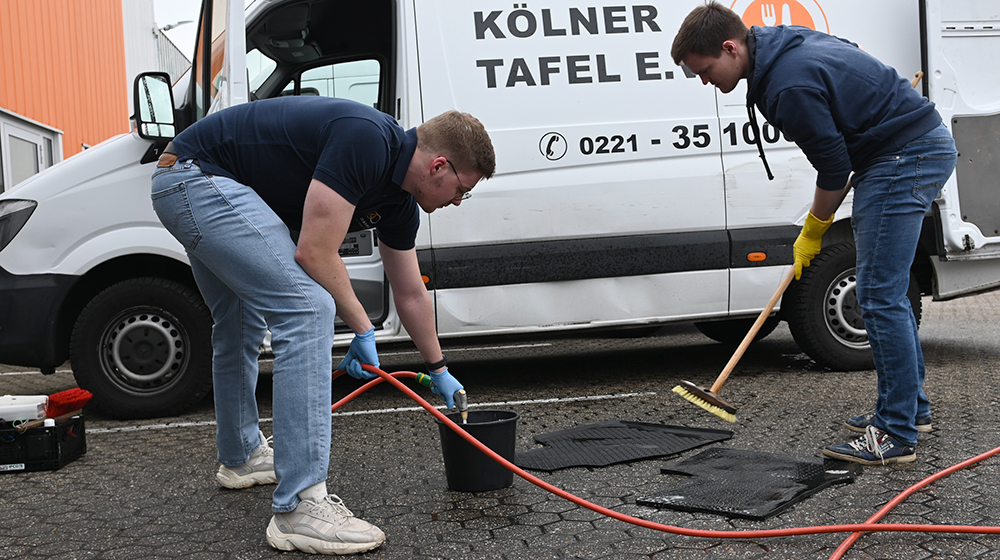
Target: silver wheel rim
x,y
143,350
842,313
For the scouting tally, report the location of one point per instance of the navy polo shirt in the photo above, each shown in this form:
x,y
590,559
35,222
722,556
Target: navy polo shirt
x,y
277,146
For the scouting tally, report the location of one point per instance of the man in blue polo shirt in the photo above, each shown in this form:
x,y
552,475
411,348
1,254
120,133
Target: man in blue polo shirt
x,y
234,189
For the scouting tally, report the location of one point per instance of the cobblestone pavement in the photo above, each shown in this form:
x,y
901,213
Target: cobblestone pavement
x,y
146,489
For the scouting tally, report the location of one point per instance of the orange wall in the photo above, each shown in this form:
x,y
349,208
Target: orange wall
x,y
62,63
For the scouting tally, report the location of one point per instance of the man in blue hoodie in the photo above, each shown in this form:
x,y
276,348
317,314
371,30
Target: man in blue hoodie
x,y
847,112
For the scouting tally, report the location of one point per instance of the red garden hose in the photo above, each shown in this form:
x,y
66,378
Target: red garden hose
x,y
856,529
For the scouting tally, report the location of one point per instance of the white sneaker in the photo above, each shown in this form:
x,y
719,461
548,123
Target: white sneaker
x,y
259,468
323,527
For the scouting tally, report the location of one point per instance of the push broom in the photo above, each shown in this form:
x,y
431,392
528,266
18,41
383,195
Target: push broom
x,y
709,399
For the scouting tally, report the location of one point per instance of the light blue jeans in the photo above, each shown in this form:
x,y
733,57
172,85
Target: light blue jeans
x,y
243,260
892,195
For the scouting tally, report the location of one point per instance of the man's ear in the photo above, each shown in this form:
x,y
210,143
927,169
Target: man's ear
x,y
731,47
436,163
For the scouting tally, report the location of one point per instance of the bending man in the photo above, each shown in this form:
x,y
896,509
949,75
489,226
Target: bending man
x,y
846,111
233,189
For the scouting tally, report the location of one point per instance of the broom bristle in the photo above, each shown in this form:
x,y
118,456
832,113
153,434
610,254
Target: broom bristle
x,y
725,415
66,401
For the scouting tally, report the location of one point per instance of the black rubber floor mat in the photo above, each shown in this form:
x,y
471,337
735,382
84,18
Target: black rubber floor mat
x,y
607,443
748,484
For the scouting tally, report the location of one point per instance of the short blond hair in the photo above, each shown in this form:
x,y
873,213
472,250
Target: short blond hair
x,y
461,138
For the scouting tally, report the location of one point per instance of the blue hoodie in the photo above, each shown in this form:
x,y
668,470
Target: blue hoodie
x,y
839,104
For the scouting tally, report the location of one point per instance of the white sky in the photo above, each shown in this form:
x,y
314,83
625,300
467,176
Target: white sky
x,y
168,12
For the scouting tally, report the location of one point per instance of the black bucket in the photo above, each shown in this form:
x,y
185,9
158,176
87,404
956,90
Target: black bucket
x,y
469,469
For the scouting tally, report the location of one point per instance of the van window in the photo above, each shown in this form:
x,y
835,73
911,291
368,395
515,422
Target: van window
x,y
324,48
357,80
259,68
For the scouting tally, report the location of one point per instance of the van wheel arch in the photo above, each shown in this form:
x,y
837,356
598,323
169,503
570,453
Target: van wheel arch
x,y
823,313
143,347
733,331
107,274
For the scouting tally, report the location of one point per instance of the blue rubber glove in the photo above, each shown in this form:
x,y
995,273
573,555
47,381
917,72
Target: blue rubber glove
x,y
362,351
445,386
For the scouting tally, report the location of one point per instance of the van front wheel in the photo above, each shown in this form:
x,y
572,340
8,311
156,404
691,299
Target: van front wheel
x,y
143,347
824,315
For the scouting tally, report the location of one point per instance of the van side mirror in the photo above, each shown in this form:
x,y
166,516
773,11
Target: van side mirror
x,y
154,106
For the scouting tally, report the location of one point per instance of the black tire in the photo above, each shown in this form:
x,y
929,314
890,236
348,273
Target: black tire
x,y
733,331
823,312
143,347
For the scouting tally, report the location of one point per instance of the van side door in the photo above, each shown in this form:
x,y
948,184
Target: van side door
x,y
330,49
766,216
607,206
963,38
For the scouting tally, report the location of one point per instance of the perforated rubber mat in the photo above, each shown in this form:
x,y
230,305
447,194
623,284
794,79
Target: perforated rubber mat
x,y
747,484
607,443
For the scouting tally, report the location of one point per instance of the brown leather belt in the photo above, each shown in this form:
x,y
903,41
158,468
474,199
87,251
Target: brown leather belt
x,y
168,158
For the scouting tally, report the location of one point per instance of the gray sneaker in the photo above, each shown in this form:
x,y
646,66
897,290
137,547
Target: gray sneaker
x,y
860,423
324,527
259,468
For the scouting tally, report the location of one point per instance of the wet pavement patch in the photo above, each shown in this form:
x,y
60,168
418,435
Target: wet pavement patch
x,y
608,443
747,484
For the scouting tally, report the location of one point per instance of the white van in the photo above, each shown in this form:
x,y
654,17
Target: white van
x,y
627,194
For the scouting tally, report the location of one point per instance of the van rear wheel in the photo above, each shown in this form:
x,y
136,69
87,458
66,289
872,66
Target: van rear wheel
x,y
824,315
143,347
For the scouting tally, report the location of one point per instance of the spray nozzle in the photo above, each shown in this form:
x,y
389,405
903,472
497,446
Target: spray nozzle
x,y
460,396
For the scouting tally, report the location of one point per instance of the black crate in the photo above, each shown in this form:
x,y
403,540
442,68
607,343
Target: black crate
x,y
42,448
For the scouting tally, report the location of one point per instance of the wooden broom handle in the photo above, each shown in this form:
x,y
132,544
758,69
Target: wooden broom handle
x,y
753,331
35,423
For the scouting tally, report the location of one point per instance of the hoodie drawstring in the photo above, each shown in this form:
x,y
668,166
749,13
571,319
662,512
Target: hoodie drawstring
x,y
756,135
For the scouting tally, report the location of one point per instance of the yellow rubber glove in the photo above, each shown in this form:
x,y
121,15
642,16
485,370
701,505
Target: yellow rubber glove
x,y
810,241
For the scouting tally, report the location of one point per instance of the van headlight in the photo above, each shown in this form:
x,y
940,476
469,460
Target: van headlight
x,y
14,214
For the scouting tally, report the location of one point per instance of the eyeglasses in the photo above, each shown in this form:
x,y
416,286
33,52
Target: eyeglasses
x,y
466,194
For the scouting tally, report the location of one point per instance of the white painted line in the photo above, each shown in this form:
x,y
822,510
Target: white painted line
x,y
147,427
174,425
2,373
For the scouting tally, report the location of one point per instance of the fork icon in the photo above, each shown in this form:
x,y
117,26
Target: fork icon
x,y
767,14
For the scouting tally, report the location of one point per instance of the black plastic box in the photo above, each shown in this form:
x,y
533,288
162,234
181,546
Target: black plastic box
x,y
42,448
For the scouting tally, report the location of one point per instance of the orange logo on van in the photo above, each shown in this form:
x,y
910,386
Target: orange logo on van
x,y
807,13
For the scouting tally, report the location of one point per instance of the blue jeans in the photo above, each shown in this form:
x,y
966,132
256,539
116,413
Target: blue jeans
x,y
892,195
243,260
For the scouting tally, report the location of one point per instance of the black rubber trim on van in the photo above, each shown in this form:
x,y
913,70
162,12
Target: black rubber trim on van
x,y
775,242
924,64
605,257
28,310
